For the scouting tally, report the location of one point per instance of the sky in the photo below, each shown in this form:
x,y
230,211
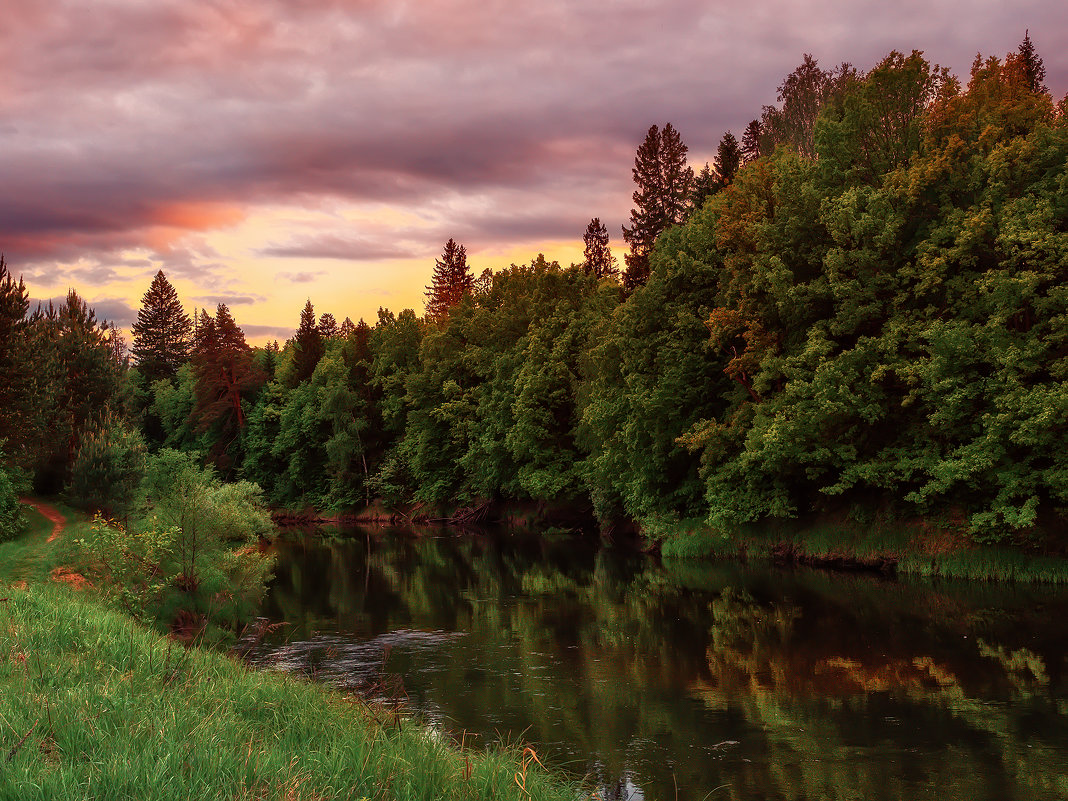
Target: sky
x,y
267,152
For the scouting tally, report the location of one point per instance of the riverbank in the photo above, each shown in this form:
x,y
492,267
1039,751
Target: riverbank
x,y
95,705
916,549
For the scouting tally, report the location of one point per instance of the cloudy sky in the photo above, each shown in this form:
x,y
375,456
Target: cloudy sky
x,y
263,152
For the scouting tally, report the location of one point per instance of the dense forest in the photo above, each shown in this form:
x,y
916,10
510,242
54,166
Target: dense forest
x,y
861,307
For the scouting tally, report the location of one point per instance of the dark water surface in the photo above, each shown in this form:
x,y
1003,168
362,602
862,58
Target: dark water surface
x,y
718,681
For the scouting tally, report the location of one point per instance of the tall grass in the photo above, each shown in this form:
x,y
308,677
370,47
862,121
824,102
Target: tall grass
x,y
95,706
842,539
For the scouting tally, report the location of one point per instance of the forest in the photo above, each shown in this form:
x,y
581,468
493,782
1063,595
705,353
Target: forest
x,y
861,309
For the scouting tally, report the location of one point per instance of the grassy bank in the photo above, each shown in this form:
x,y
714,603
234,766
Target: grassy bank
x,y
906,549
94,705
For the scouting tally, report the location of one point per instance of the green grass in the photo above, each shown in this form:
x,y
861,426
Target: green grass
x,y
95,706
827,540
31,557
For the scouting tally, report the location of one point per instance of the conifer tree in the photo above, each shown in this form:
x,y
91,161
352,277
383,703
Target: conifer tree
x,y
346,329
598,258
728,159
661,199
451,282
14,378
204,339
226,371
1034,69
309,344
704,186
751,142
161,333
328,326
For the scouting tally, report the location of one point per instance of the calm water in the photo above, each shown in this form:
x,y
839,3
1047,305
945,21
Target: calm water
x,y
662,680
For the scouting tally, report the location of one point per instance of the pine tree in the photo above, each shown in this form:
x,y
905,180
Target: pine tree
x,y
328,326
161,333
452,280
226,371
728,159
1034,69
751,142
204,338
704,186
14,371
598,258
309,344
661,199
346,329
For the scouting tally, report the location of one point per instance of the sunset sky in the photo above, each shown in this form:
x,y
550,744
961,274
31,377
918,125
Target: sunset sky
x,y
263,153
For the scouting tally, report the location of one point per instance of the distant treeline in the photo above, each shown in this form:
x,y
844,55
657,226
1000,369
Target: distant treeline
x,y
867,309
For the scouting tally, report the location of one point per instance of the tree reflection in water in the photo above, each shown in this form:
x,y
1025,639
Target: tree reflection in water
x,y
751,682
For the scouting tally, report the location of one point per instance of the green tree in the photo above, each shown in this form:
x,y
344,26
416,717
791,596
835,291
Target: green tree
x,y
704,186
15,369
728,159
12,518
77,380
108,467
161,332
662,198
802,96
753,144
308,344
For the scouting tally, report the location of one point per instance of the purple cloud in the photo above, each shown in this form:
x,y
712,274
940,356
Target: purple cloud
x,y
132,126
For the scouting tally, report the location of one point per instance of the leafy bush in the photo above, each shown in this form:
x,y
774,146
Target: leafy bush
x,y
189,559
12,520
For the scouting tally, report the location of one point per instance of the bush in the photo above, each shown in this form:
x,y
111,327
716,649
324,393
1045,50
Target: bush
x,y
12,519
189,558
108,467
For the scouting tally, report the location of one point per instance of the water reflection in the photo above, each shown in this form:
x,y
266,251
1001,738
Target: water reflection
x,y
722,681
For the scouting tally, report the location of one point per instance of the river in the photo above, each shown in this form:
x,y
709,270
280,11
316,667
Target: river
x,y
664,680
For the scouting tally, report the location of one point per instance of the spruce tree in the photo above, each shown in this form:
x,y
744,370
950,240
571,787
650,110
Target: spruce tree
x,y
346,329
309,344
161,333
728,159
751,142
661,199
14,367
705,185
1034,69
598,258
328,326
204,337
452,280
226,371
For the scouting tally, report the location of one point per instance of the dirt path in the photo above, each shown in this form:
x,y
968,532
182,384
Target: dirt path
x,y
50,512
